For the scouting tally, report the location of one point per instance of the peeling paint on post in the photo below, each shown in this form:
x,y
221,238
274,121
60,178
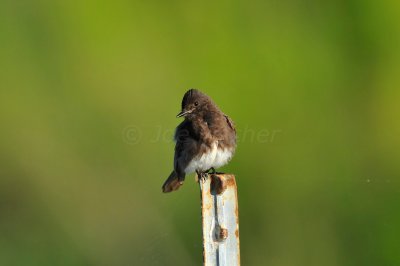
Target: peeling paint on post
x,y
220,219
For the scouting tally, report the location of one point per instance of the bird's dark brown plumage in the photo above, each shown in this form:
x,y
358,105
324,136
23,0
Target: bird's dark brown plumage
x,y
205,139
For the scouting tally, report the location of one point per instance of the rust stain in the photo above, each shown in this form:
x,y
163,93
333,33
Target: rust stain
x,y
230,181
206,207
237,214
218,184
223,234
237,217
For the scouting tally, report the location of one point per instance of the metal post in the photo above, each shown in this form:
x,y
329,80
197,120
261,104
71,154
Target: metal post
x,y
220,219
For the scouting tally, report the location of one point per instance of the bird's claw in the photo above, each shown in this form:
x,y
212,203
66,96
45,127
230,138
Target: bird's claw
x,y
202,176
212,171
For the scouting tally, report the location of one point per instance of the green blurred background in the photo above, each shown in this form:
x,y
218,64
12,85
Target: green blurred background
x,y
89,94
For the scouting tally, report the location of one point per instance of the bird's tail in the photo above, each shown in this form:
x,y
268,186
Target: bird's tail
x,y
172,183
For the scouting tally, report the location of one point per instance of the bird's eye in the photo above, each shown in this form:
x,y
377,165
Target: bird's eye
x,y
196,103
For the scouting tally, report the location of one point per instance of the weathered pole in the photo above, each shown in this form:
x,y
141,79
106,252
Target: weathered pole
x,y
220,220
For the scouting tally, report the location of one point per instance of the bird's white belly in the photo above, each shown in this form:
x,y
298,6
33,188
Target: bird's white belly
x,y
215,158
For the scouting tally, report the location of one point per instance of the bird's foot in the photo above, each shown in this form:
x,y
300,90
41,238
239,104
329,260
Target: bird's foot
x,y
202,176
212,171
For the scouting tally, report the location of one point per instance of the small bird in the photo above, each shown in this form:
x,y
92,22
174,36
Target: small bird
x,y
205,140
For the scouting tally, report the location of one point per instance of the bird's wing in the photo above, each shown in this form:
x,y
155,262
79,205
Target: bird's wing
x,y
185,147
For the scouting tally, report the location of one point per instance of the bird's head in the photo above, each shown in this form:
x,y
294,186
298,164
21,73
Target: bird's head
x,y
194,103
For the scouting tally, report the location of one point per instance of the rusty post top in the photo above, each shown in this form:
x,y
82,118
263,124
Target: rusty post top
x,y
220,217
220,182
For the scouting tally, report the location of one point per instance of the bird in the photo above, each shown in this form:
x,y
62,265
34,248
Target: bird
x,y
204,140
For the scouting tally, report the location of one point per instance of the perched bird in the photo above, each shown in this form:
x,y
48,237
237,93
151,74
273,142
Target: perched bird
x,y
205,140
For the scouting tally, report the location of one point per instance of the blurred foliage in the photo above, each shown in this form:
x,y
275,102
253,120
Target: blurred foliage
x,y
89,93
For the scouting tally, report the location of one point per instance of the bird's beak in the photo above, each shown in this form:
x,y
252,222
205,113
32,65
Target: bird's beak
x,y
183,113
